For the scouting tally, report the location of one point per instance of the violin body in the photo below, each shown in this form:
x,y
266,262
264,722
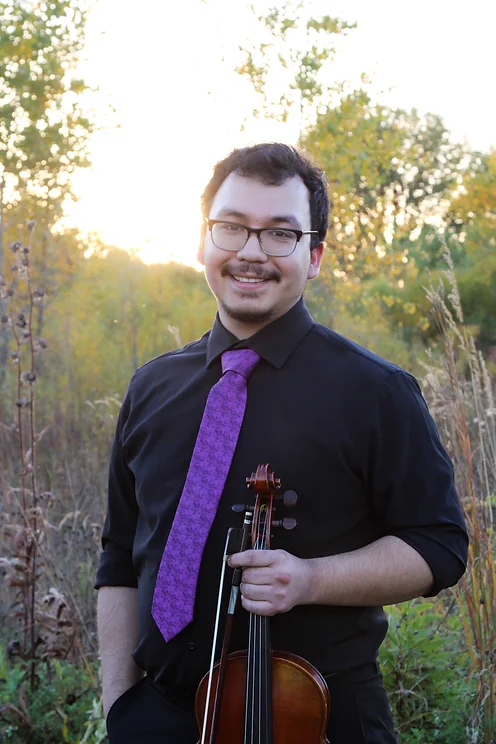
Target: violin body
x,y
300,701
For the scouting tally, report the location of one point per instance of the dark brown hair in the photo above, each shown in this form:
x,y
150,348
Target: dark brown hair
x,y
272,164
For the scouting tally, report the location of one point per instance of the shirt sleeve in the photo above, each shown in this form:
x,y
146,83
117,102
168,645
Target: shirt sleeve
x,y
116,564
411,480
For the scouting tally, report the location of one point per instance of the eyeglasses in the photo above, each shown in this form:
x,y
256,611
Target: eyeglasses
x,y
274,241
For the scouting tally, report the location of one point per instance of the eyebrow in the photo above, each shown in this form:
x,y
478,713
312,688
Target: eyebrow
x,y
288,219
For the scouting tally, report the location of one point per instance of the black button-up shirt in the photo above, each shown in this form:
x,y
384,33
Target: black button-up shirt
x,y
346,430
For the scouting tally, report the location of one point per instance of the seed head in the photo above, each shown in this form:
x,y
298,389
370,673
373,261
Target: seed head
x,y
4,318
14,247
30,224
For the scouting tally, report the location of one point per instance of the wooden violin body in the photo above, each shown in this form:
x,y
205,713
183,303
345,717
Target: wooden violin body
x,y
300,701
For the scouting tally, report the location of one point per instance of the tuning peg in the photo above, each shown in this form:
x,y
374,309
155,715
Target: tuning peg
x,y
287,523
288,498
238,508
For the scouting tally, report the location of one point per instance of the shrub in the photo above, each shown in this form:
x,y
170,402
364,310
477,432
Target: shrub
x,y
425,670
63,708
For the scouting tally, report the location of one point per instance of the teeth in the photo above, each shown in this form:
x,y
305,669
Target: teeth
x,y
246,279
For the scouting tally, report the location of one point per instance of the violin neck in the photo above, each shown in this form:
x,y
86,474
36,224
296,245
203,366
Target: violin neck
x,y
258,707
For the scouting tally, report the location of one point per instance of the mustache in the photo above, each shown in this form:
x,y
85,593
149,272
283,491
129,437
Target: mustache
x,y
252,269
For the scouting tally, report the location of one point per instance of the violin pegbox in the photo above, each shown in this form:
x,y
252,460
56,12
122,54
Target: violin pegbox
x,y
267,487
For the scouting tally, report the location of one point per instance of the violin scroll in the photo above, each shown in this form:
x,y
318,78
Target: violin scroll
x,y
264,480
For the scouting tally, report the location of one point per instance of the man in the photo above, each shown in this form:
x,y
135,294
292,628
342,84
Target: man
x,y
378,517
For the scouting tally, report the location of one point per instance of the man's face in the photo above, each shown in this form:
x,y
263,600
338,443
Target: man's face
x,y
245,307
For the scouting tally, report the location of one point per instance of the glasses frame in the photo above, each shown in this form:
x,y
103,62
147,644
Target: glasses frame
x,y
257,231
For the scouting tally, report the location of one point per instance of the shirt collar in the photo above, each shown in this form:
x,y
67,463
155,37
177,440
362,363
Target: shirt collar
x,y
274,342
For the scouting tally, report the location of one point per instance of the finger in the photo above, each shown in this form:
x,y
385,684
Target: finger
x,y
258,608
256,593
258,575
250,558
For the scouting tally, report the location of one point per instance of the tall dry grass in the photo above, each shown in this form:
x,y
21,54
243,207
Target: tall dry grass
x,y
48,532
461,399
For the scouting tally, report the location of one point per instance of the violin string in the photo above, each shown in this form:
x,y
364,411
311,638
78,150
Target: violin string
x,y
264,689
258,704
256,731
248,738
259,650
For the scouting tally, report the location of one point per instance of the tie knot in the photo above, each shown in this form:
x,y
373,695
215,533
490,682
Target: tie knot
x,y
242,361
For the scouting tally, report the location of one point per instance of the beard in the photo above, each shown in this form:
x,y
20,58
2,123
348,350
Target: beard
x,y
249,316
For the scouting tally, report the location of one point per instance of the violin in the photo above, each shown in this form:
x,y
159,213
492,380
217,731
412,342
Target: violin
x,y
261,696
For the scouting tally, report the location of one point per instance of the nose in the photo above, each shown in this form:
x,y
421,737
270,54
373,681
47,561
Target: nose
x,y
252,251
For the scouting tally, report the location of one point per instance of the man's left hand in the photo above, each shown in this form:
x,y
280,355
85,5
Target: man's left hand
x,y
274,581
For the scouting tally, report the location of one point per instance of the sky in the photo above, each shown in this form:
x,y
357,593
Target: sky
x,y
167,70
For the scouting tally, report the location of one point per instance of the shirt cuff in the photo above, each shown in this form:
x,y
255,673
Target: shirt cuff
x,y
447,565
116,569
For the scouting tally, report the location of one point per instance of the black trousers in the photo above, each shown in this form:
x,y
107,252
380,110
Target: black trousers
x,y
360,713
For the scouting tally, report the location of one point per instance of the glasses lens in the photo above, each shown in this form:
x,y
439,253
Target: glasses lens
x,y
228,236
277,242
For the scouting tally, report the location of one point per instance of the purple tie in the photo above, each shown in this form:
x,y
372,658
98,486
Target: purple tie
x,y
175,589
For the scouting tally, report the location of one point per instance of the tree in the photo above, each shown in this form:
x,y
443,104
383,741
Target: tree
x,y
286,69
473,210
468,229
473,213
389,171
43,130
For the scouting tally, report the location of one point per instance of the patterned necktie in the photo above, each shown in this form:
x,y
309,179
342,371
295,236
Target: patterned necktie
x,y
175,589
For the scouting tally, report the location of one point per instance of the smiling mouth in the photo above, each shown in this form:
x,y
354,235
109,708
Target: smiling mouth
x,y
248,279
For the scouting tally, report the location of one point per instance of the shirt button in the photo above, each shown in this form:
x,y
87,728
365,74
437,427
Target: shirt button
x,y
191,646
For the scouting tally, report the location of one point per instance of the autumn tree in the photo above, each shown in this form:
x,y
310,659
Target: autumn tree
x,y
468,231
43,128
287,66
389,172
116,315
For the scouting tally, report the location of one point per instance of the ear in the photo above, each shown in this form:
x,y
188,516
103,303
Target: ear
x,y
316,255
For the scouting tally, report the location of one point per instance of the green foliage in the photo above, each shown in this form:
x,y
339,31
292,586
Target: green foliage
x,y
62,709
470,234
364,319
43,129
388,170
116,314
426,673
284,68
